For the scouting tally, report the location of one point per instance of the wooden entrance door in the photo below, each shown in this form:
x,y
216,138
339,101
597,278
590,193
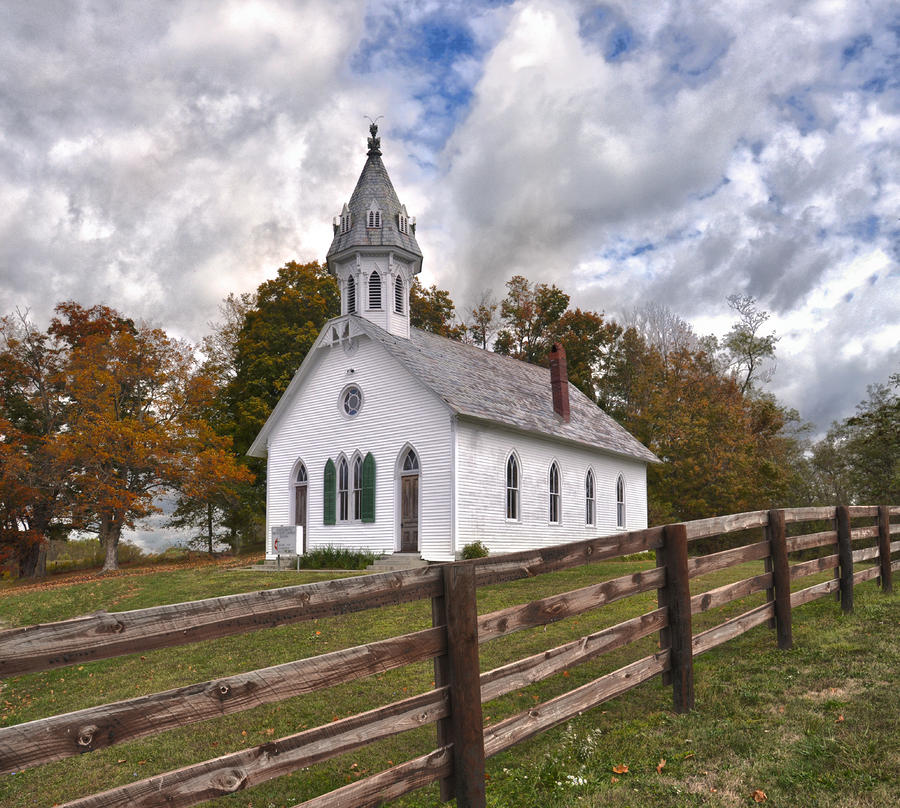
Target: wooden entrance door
x,y
409,513
300,512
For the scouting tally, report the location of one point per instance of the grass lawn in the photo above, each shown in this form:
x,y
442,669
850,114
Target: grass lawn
x,y
817,725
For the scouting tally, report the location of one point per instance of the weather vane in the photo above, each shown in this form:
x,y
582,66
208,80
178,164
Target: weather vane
x,y
374,140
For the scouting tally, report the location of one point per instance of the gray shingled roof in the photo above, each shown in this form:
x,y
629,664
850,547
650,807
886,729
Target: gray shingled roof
x,y
374,184
481,384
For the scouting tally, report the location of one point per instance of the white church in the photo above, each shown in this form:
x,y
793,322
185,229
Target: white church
x,y
397,440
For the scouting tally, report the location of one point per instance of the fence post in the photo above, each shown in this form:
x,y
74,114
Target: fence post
x,y
884,547
678,600
466,724
845,557
781,578
662,602
441,678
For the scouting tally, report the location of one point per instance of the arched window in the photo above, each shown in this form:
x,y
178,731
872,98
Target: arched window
x,y
554,494
351,295
398,295
589,498
374,218
328,493
512,488
403,222
357,487
410,462
301,482
620,501
343,490
374,291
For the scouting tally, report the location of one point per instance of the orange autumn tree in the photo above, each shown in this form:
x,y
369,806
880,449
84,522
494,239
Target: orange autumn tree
x,y
135,425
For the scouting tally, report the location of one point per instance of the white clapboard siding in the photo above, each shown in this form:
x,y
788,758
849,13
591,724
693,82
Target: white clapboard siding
x,y
482,452
397,412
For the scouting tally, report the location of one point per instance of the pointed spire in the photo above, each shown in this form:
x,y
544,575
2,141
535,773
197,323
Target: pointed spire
x,y
374,140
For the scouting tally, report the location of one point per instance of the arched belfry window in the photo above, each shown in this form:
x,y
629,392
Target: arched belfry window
x,y
620,501
374,291
589,509
398,295
351,295
512,488
345,220
554,494
373,218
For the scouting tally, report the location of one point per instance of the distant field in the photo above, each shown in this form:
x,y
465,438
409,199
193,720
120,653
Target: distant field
x,y
817,725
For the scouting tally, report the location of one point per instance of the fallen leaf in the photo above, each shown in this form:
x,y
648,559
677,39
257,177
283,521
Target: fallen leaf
x,y
120,760
839,719
613,779
270,730
688,755
620,769
759,795
661,765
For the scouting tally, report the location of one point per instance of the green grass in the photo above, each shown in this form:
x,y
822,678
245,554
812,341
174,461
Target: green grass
x,y
815,725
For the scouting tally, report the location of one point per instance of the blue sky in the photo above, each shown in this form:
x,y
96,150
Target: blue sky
x,y
157,158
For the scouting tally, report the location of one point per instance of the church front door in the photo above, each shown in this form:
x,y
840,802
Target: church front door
x,y
409,513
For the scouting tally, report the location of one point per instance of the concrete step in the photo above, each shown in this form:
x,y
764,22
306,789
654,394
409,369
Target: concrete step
x,y
397,561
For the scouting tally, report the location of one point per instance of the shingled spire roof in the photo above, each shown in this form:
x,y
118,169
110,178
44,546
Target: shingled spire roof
x,y
374,191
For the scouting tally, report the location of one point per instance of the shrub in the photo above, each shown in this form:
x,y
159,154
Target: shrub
x,y
474,550
337,558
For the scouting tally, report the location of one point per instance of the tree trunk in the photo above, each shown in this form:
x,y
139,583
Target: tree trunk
x,y
33,563
110,531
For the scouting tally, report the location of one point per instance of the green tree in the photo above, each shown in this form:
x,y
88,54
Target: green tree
x,y
750,354
432,309
530,314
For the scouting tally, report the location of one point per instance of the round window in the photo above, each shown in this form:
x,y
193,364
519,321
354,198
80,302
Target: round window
x,y
351,400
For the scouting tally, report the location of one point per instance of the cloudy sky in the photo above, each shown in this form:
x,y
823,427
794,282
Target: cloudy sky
x,y
157,156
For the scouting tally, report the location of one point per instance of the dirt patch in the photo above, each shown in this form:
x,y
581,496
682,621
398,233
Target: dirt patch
x,y
850,687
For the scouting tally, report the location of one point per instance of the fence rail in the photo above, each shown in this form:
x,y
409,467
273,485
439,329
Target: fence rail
x,y
455,703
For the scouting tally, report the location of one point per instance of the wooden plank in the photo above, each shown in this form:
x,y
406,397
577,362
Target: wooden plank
x,y
781,575
895,566
729,592
858,533
894,510
808,514
109,634
845,556
884,547
567,604
249,767
857,511
866,553
517,728
701,565
895,547
814,592
810,540
61,736
681,660
895,529
813,566
866,574
464,683
714,526
525,672
388,785
528,563
732,628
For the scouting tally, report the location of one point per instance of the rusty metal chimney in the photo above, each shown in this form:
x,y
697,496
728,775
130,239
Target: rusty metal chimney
x,y
559,381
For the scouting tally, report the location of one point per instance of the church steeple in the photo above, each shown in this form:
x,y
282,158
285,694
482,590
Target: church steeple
x,y
374,254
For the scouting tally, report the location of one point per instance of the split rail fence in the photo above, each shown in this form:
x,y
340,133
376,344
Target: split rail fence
x,y
455,703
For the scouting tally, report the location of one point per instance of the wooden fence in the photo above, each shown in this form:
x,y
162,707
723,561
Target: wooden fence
x,y
455,703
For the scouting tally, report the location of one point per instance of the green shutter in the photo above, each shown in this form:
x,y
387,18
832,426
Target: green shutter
x,y
368,489
328,493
